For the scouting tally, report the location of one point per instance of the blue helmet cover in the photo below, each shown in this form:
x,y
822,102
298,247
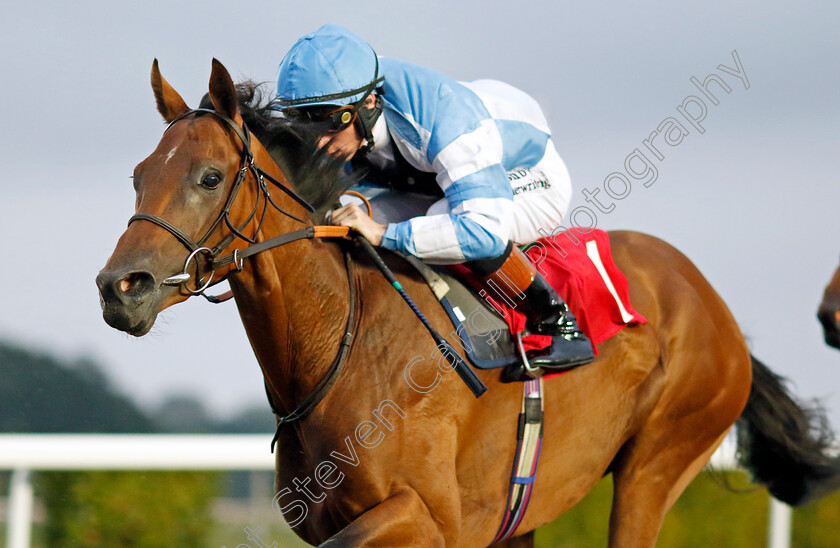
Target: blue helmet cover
x,y
331,60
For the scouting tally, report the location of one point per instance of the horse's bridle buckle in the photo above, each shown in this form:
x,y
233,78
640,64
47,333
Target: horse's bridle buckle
x,y
238,262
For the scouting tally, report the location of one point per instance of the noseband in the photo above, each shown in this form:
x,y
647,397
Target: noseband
x,y
237,257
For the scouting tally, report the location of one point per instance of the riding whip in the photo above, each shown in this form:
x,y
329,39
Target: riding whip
x,y
464,371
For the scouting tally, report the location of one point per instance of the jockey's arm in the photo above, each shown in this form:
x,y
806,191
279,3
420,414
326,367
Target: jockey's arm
x,y
474,224
465,151
462,145
351,215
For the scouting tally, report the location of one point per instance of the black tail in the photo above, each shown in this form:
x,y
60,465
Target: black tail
x,y
786,447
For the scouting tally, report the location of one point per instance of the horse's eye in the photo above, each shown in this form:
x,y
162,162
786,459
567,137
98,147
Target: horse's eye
x,y
211,180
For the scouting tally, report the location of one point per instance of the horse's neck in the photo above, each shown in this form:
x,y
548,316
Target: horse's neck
x,y
294,302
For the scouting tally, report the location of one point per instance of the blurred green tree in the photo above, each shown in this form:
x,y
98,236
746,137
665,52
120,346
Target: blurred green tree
x,y
43,394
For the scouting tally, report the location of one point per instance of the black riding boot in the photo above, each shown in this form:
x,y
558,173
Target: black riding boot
x,y
547,314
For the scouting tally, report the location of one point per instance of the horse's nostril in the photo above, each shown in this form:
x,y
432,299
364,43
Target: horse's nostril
x,y
136,284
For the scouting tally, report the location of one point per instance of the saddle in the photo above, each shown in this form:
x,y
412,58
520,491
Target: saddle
x,y
493,335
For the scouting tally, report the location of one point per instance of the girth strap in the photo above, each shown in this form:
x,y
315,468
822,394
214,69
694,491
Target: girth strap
x,y
528,444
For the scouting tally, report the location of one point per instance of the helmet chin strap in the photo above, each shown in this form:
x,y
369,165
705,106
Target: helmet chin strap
x,y
365,120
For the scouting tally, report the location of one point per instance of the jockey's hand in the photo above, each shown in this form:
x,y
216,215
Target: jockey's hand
x,y
351,215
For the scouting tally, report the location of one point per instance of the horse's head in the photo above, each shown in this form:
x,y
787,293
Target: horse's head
x,y
196,197
829,311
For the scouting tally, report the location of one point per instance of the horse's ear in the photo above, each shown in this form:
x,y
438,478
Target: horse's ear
x,y
223,92
169,103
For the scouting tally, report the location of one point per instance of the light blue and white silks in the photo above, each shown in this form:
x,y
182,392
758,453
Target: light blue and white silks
x,y
490,147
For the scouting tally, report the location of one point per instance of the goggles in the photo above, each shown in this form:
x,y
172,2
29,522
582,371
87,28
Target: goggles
x,y
323,119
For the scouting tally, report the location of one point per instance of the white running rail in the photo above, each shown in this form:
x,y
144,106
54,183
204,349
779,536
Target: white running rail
x,y
24,453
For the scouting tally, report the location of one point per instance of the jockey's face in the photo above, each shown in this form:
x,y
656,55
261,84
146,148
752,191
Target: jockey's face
x,y
342,144
346,142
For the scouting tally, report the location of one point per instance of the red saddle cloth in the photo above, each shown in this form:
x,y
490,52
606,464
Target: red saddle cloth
x,y
586,278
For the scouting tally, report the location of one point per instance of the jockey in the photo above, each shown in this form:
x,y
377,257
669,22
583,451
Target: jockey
x,y
470,166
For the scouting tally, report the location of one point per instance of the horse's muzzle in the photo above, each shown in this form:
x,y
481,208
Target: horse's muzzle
x,y
829,316
127,300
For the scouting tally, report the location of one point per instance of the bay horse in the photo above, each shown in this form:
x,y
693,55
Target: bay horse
x,y
396,467
829,311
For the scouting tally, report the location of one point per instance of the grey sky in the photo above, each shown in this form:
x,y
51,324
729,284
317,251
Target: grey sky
x,y
752,201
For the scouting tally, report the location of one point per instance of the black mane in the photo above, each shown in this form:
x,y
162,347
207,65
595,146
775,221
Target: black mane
x,y
315,176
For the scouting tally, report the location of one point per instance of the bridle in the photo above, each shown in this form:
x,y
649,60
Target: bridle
x,y
237,257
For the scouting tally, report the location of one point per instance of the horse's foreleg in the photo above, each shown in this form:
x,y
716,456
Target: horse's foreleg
x,y
401,520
